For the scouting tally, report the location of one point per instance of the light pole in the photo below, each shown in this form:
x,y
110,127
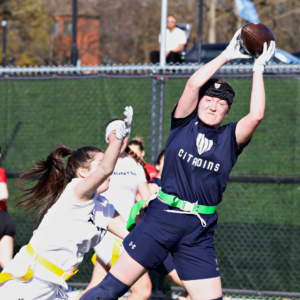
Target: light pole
x,y
200,30
74,53
3,24
163,27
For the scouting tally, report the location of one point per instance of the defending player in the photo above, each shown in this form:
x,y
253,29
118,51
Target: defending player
x,y
137,146
128,178
199,156
7,226
73,220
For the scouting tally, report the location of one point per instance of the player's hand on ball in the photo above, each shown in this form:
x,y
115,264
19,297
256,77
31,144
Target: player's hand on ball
x,y
233,49
265,57
124,130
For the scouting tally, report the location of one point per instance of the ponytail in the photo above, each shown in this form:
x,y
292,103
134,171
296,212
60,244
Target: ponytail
x,y
138,160
49,176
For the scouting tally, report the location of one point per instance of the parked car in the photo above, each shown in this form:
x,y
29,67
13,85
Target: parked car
x,y
210,51
297,54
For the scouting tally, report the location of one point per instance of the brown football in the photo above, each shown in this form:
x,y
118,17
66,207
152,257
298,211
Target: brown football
x,y
253,37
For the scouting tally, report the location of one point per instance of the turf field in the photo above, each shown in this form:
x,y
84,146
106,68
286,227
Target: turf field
x,y
258,236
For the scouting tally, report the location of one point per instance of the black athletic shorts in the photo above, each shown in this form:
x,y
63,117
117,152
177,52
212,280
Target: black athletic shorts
x,y
190,244
166,267
7,225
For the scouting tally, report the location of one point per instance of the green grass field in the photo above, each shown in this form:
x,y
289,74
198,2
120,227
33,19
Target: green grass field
x,y
258,236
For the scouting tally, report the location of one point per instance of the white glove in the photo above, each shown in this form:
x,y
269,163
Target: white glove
x,y
265,57
124,130
233,49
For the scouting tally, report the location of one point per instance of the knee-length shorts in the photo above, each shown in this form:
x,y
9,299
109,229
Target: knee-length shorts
x,y
191,245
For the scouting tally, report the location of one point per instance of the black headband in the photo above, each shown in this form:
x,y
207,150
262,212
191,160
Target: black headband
x,y
219,90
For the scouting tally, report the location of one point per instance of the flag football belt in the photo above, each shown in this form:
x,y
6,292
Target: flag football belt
x,y
172,201
4,276
42,261
115,252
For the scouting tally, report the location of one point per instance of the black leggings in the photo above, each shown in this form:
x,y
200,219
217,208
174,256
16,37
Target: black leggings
x,y
173,57
7,225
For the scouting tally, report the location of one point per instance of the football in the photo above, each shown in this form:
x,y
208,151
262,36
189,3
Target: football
x,y
253,37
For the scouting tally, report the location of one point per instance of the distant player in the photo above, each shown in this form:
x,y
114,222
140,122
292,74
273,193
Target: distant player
x,y
137,146
7,226
127,179
155,183
74,218
200,154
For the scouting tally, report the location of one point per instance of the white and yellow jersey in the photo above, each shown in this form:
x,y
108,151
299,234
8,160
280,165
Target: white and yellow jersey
x,y
68,231
123,185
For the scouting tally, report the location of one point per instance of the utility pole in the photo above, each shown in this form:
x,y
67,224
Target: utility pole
x,y
74,52
200,30
3,24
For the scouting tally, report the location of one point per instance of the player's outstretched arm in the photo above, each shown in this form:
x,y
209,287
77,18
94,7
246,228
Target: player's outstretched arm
x,y
86,188
249,123
189,98
117,226
144,190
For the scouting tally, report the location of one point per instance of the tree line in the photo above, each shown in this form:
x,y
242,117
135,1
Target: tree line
x,y
129,29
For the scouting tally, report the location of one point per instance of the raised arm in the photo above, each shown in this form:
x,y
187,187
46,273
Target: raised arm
x,y
247,125
86,188
117,226
144,191
189,98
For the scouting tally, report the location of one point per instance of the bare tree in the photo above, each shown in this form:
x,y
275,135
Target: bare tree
x,y
212,21
28,30
129,29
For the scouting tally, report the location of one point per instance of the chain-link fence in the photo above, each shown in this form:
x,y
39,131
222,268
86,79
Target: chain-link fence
x,y
258,236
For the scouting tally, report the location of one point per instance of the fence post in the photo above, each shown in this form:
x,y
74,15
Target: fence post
x,y
153,120
161,114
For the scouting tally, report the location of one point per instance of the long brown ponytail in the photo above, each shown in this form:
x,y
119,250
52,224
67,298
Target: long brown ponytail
x,y
51,177
138,141
139,160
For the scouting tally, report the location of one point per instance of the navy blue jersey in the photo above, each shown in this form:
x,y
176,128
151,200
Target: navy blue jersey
x,y
156,181
198,160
